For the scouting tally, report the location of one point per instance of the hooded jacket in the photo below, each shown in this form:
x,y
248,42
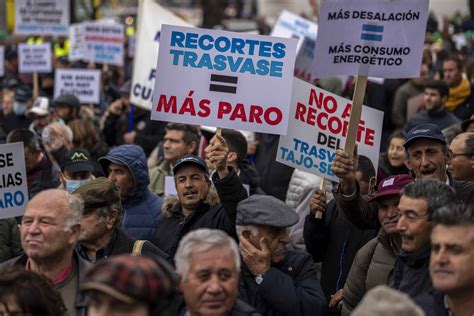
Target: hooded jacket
x,y
142,208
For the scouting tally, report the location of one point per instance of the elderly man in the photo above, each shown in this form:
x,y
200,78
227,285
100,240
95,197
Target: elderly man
x,y
275,280
452,255
179,140
101,235
197,204
208,262
126,167
461,165
50,227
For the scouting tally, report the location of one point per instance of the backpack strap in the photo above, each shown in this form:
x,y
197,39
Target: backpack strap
x,y
137,247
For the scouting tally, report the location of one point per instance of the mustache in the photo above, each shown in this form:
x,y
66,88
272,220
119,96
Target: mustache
x,y
189,192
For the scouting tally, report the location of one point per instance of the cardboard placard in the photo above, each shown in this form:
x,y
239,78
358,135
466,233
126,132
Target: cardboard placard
x,y
83,83
104,42
34,58
13,185
42,17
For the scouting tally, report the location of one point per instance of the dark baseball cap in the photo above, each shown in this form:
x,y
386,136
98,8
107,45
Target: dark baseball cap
x,y
77,160
190,160
23,93
99,192
392,185
428,131
67,99
10,83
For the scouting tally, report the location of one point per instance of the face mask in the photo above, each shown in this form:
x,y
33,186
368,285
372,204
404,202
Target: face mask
x,y
72,185
19,108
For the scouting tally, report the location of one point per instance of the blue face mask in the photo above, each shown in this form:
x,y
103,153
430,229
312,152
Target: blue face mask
x,y
19,108
72,185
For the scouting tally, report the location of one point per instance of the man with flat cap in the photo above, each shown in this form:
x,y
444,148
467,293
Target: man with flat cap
x,y
101,235
274,280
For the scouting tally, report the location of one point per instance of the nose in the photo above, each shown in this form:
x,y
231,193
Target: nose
x,y
392,211
215,286
425,160
112,177
33,228
401,224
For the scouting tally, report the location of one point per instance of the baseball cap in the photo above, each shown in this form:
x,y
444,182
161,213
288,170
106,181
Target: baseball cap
x,y
190,160
429,131
77,160
67,99
130,279
23,93
392,185
40,107
99,192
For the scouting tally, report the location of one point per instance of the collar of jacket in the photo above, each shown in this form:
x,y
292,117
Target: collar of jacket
x,y
417,258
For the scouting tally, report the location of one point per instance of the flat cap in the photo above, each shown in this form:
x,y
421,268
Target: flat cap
x,y
67,99
99,192
265,210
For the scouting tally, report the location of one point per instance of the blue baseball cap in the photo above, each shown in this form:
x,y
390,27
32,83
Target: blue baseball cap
x,y
429,131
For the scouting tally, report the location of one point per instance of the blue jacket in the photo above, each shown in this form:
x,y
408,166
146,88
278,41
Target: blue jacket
x,y
142,207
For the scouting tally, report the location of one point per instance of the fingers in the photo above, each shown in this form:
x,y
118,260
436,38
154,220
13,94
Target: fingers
x,y
317,202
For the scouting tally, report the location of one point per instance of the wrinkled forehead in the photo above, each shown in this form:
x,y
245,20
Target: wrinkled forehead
x,y
423,144
51,208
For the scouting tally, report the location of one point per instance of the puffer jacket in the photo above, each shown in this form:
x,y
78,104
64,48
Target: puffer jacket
x,y
142,207
372,266
300,189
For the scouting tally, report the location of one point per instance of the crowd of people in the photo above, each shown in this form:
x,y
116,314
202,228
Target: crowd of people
x,y
131,216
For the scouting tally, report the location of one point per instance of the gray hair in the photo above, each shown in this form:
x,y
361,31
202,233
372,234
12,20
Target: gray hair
x,y
454,215
202,240
67,131
434,192
75,207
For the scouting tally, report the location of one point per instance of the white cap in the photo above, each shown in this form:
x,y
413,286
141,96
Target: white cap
x,y
40,107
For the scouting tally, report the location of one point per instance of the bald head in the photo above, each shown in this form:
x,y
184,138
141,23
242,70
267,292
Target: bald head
x,y
461,166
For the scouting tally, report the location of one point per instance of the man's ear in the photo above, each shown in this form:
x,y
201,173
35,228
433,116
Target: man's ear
x,y
75,231
192,147
112,219
232,156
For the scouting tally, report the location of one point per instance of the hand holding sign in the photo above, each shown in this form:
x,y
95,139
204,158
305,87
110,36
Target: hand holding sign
x,y
317,203
217,152
344,167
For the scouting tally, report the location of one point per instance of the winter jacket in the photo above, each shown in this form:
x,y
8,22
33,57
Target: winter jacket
x,y
248,175
400,102
240,308
432,303
300,190
157,177
80,267
211,213
120,243
441,119
411,274
10,245
373,265
334,242
142,207
290,288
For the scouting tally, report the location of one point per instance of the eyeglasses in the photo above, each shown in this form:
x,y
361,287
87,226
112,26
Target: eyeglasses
x,y
460,154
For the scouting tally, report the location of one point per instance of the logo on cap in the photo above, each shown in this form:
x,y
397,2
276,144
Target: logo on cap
x,y
421,131
79,156
388,182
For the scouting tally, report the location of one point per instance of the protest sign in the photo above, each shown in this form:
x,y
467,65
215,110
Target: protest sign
x,y
76,42
150,18
318,126
34,58
305,60
104,42
292,25
226,79
13,185
377,38
2,61
42,17
83,83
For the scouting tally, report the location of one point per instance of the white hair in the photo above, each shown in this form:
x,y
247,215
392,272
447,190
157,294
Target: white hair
x,y
67,131
202,240
75,207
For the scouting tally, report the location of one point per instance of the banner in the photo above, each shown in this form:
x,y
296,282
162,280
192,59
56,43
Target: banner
x,y
104,42
13,185
83,83
2,61
318,126
150,18
224,79
42,17
376,38
34,58
292,25
76,42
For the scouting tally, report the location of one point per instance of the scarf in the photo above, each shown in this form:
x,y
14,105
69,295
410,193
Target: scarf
x,y
457,95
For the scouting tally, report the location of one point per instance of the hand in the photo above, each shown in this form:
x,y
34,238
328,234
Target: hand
x,y
345,167
336,300
129,138
217,152
317,203
258,261
116,107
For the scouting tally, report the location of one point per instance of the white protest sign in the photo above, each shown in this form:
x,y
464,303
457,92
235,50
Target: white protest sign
x,y
318,126
42,17
13,185
34,58
83,83
76,42
378,38
292,25
104,42
305,60
224,79
170,186
2,61
150,18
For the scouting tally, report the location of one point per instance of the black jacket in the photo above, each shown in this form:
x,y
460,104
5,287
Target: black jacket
x,y
432,303
411,274
209,214
249,175
240,308
81,264
290,288
334,242
123,243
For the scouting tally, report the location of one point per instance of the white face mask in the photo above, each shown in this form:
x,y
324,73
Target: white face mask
x,y
19,108
72,185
